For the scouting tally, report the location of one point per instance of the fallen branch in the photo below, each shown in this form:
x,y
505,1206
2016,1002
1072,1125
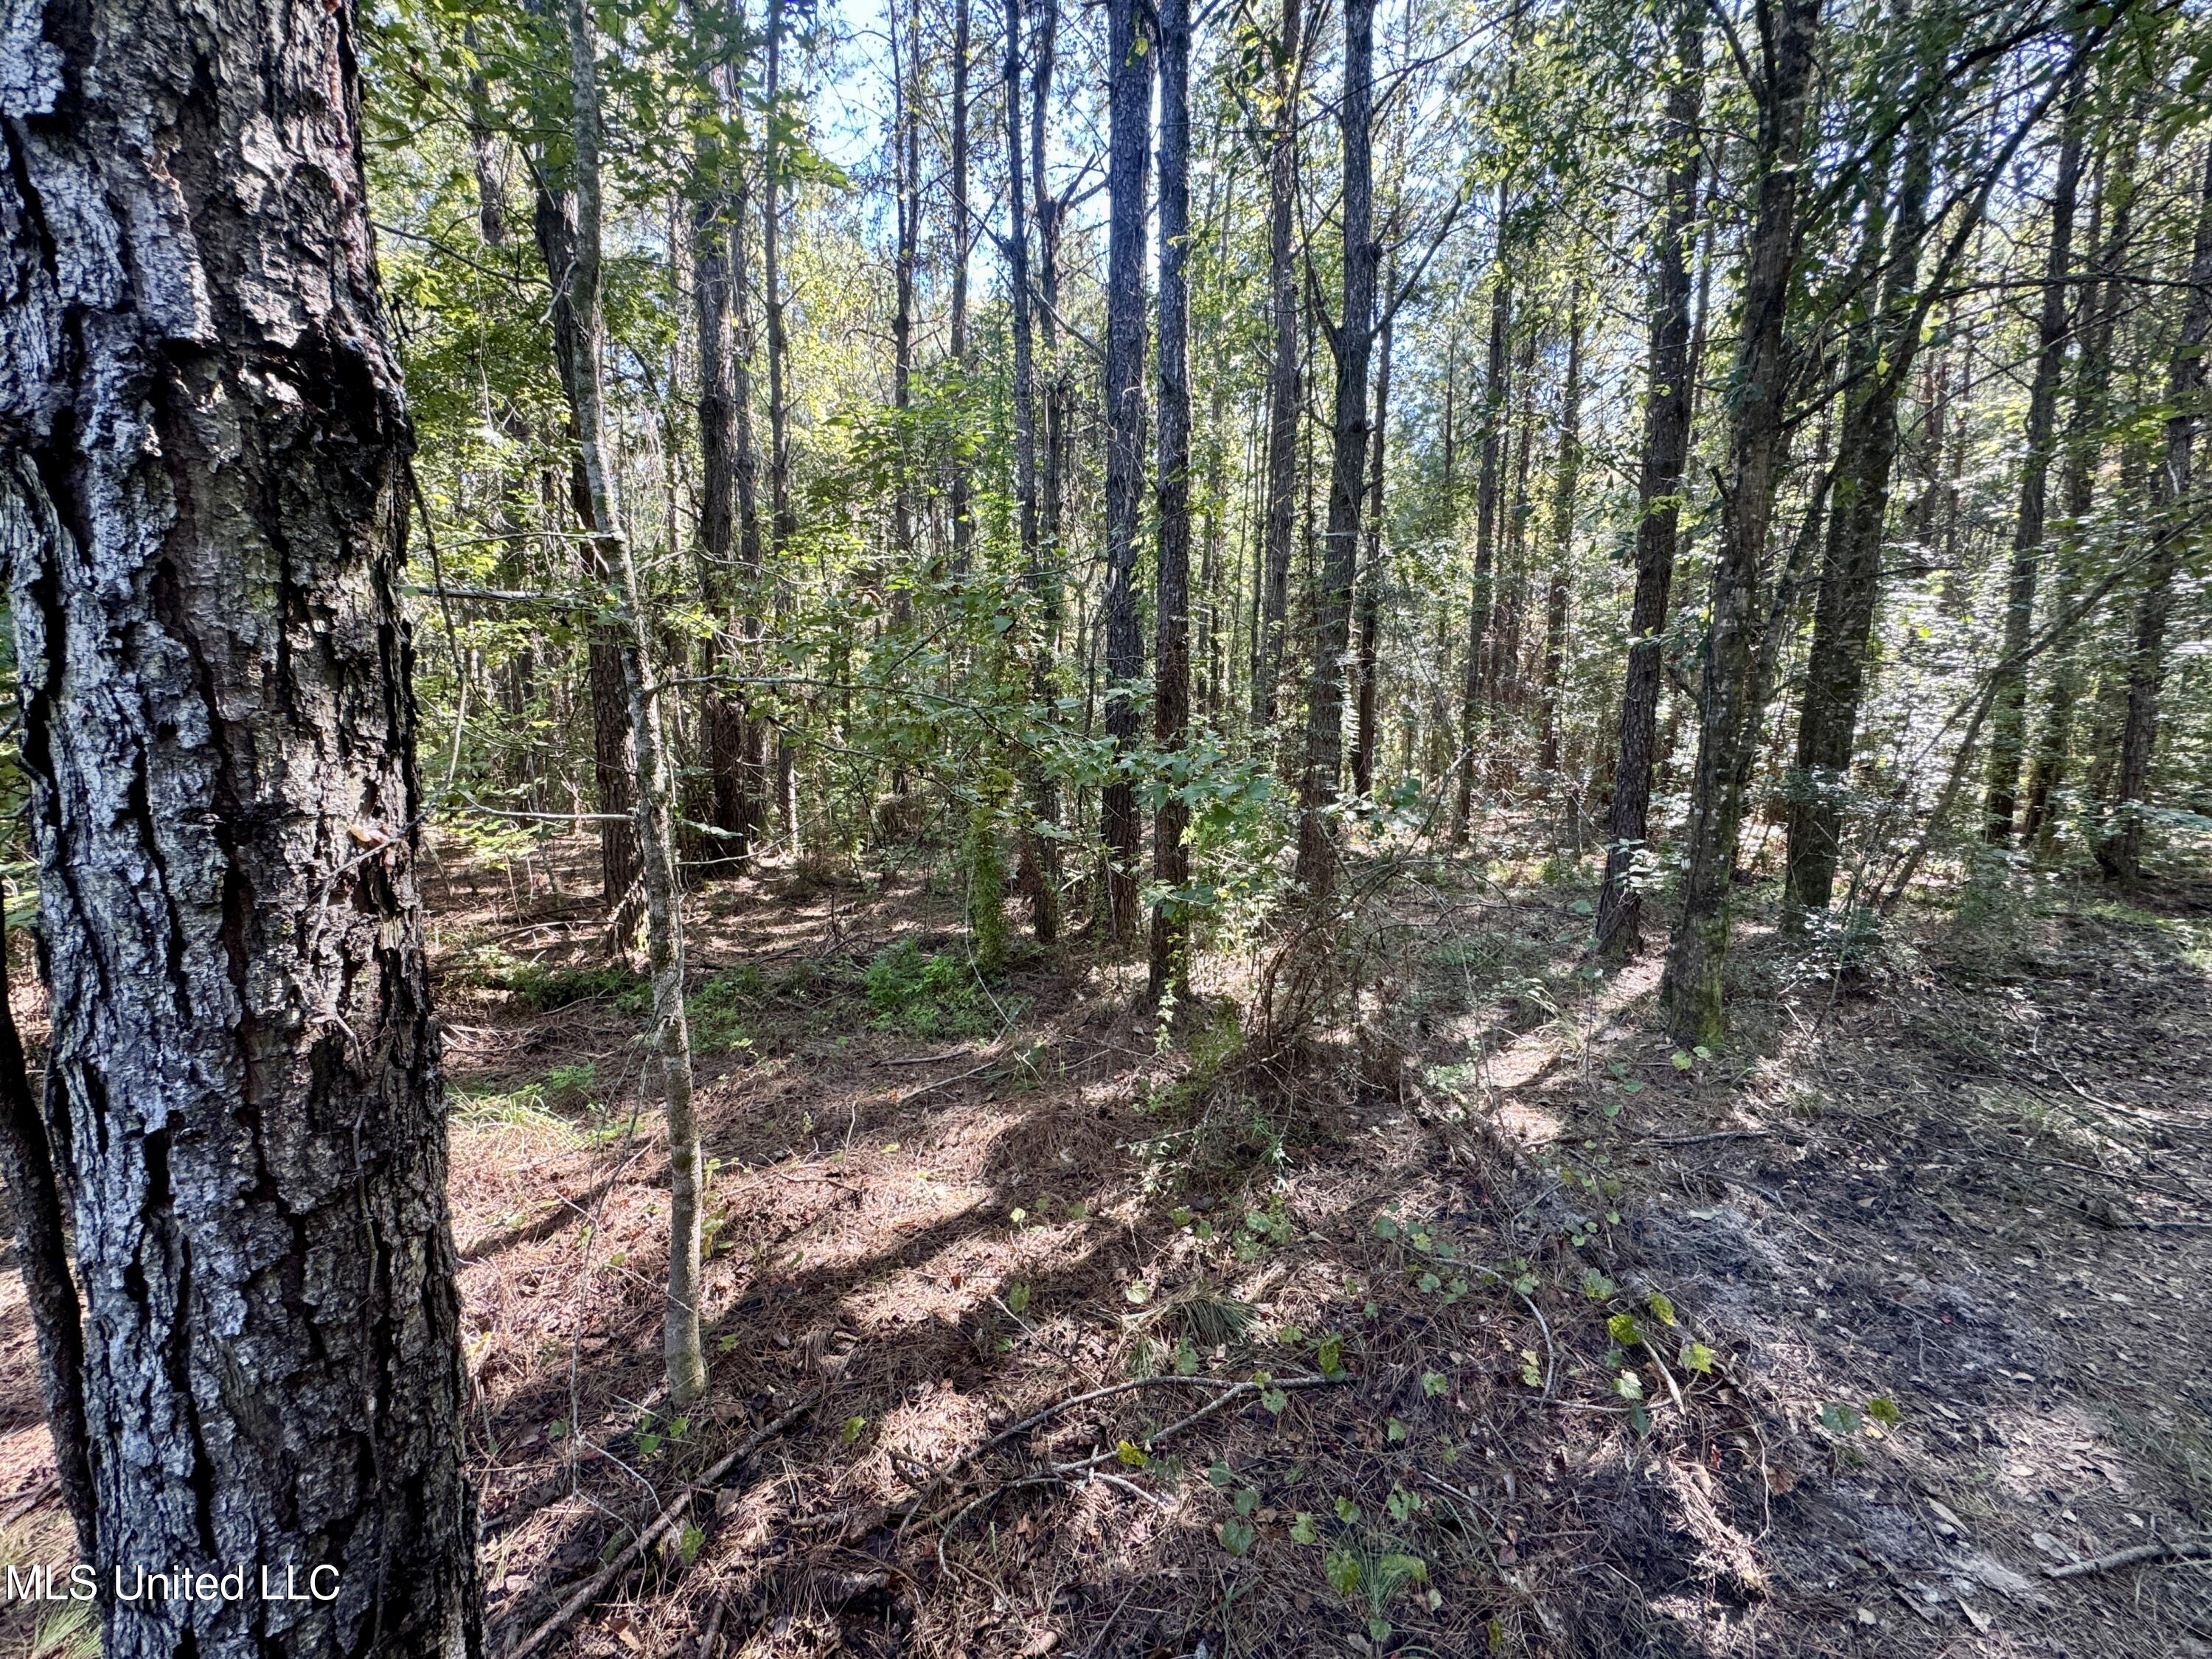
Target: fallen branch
x,y
2184,1549
1085,1469
575,1605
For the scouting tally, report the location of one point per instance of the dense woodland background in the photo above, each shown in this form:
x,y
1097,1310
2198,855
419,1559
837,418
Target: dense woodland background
x,y
1794,411
1511,706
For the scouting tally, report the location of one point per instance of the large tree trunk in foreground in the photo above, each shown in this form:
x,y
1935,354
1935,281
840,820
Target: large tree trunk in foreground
x,y
1729,719
203,512
2120,852
1665,453
1171,657
1352,339
1129,66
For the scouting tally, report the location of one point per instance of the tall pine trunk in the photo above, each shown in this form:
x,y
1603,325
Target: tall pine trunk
x,y
783,522
1659,485
1170,940
1489,479
721,715
1367,613
1697,957
1039,871
2120,852
963,505
1352,340
2009,712
1882,356
1566,484
2101,304
203,489
1129,68
554,223
654,784
1284,394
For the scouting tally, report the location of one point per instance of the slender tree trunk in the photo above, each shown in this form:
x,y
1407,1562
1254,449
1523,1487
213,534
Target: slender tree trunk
x,y
752,773
1039,876
1697,955
1373,579
1564,489
906,151
963,529
1488,479
654,784
554,223
1050,215
1170,940
721,716
1352,339
2120,852
2009,712
783,522
2084,446
1284,392
1129,68
1659,486
1850,580
203,489
26,1165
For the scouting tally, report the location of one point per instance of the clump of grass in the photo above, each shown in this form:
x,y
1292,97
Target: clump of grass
x,y
67,1630
547,989
514,1109
927,995
487,967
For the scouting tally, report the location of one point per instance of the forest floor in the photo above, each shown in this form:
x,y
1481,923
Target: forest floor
x,y
1522,1332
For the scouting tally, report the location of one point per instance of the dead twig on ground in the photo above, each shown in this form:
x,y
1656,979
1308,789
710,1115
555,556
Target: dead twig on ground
x,y
575,1605
2174,1549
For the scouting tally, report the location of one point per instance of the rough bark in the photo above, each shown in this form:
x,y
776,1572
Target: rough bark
x,y
1129,100
1882,355
1698,954
653,788
1171,937
1659,486
1352,340
1284,392
2120,852
202,518
2009,712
